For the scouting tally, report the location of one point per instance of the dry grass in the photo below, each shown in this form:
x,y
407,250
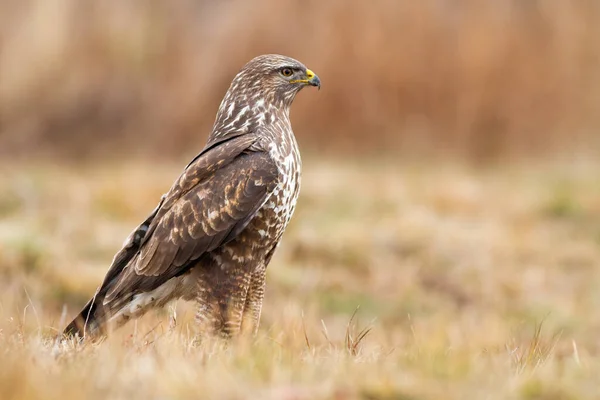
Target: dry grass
x,y
471,284
478,78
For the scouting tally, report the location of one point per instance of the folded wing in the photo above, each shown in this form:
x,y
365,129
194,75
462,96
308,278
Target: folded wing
x,y
210,204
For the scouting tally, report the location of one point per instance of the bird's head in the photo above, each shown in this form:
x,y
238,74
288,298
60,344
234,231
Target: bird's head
x,y
265,86
275,78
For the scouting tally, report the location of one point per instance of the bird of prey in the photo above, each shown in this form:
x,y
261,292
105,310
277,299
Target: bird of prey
x,y
214,232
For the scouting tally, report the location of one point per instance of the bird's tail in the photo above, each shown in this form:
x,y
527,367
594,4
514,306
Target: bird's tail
x,y
90,322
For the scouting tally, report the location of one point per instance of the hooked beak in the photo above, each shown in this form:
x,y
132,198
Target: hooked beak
x,y
311,79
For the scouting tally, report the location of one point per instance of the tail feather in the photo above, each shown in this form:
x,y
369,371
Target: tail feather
x,y
92,320
89,322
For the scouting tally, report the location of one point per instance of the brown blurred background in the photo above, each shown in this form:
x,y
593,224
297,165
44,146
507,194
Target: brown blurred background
x,y
474,79
455,266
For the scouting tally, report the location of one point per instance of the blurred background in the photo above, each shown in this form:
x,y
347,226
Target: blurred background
x,y
450,188
456,78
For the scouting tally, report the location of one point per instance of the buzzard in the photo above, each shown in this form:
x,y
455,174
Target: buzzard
x,y
214,232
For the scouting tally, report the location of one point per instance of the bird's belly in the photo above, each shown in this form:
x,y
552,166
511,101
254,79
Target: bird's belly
x,y
267,227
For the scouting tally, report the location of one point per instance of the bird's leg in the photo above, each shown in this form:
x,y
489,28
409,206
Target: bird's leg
x,y
221,303
208,316
254,300
232,304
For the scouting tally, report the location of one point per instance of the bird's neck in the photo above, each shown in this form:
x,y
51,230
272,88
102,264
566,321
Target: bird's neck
x,y
244,114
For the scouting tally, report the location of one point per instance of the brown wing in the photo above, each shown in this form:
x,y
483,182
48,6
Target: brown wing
x,y
210,204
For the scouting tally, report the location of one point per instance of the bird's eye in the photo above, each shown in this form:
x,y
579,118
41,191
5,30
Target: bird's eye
x,y
287,72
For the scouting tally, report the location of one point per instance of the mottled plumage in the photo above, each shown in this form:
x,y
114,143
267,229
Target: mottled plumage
x,y
213,234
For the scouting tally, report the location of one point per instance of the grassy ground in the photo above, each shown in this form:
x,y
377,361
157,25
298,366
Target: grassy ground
x,y
472,284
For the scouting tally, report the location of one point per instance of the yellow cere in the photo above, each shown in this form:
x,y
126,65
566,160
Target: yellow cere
x,y
309,76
